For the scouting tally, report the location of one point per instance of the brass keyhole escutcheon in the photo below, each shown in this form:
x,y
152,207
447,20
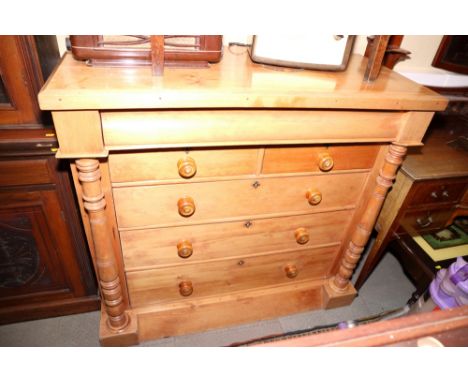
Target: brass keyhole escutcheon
x,y
256,184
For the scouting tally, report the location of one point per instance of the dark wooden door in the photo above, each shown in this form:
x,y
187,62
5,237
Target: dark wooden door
x,y
36,262
19,82
45,266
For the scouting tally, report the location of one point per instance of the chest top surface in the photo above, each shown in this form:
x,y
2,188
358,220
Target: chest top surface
x,y
235,82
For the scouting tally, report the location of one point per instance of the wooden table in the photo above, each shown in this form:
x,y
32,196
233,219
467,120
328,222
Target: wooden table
x,y
212,197
429,192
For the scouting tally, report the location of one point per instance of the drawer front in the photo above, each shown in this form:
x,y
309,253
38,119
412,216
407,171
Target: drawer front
x,y
217,277
426,220
235,199
165,129
182,165
189,244
24,172
319,158
438,192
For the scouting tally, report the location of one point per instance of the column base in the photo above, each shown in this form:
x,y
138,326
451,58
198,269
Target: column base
x,y
125,337
334,298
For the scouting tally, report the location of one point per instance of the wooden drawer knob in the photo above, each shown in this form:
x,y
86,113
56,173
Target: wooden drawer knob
x,y
325,162
302,236
314,197
185,288
186,206
291,271
187,167
184,248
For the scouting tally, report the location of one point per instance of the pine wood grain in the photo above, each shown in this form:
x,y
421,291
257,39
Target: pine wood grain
x,y
157,205
162,165
79,132
188,316
158,247
307,159
227,276
188,128
234,82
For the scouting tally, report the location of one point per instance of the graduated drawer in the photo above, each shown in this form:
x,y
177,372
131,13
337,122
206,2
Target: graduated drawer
x,y
443,191
142,206
319,158
195,128
187,244
225,276
172,164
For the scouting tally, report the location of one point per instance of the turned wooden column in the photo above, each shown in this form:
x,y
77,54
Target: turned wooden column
x,y
89,176
361,234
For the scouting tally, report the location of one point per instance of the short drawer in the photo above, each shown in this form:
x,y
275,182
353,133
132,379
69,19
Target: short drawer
x,y
438,192
188,244
182,165
191,203
426,220
24,172
319,158
227,276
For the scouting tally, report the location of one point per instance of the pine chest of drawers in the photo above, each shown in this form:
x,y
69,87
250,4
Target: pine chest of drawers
x,y
212,197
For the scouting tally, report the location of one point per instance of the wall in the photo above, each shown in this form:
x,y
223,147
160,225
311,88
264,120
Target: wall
x,y
61,44
419,67
423,50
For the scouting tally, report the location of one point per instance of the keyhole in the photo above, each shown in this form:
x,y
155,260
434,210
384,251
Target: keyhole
x,y
256,184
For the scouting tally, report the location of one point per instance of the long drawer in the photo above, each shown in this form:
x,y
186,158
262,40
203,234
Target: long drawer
x,y
186,128
227,276
188,244
164,205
